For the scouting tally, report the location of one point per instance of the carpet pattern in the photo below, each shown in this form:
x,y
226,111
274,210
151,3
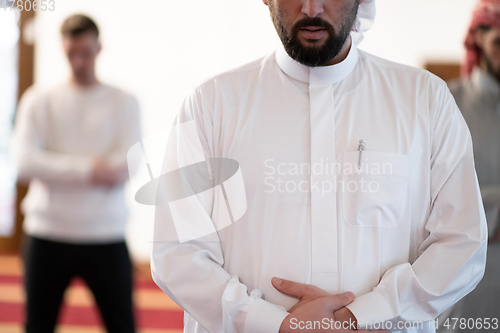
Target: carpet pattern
x,y
155,312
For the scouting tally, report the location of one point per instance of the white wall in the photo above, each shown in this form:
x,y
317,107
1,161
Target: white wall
x,y
415,31
160,49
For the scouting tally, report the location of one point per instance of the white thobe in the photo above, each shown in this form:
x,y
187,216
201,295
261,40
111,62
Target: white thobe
x,y
409,240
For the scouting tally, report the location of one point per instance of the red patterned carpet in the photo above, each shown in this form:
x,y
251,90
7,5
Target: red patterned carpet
x,y
155,311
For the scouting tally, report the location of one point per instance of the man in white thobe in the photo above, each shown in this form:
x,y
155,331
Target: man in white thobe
x,y
358,177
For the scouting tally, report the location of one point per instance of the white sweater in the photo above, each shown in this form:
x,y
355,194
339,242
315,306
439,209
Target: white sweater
x,y
59,133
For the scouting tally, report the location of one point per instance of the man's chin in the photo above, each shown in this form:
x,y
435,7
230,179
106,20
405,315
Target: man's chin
x,y
312,44
497,75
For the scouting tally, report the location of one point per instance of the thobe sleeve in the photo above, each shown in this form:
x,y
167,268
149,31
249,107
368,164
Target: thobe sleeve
x,y
452,257
192,272
33,159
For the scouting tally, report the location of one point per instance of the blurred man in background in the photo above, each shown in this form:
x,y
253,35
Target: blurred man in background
x,y
72,142
478,97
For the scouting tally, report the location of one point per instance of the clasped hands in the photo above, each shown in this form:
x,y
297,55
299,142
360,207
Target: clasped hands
x,y
108,174
316,304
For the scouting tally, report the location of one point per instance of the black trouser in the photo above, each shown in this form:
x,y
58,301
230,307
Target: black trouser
x,y
49,268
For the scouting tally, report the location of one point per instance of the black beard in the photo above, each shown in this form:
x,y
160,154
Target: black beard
x,y
313,56
491,69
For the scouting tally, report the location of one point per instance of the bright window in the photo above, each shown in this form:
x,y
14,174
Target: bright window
x,y
9,37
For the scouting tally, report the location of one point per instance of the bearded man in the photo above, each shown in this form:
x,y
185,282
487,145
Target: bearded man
x,y
361,205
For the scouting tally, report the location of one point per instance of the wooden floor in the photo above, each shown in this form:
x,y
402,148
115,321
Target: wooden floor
x,y
155,312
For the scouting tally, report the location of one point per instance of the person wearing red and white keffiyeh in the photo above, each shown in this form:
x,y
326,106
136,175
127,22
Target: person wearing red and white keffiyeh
x,y
477,95
483,39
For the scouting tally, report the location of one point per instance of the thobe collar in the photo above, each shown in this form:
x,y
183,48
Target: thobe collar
x,y
485,82
321,75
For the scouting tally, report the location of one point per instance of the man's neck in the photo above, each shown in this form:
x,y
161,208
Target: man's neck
x,y
84,82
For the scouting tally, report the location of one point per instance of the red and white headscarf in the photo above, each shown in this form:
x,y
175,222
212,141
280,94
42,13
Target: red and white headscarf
x,y
487,12
364,20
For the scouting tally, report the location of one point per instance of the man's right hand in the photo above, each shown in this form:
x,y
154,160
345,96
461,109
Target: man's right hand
x,y
106,174
318,310
316,305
